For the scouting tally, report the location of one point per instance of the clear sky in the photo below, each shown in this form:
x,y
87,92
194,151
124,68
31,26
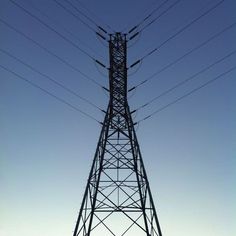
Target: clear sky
x,y
46,147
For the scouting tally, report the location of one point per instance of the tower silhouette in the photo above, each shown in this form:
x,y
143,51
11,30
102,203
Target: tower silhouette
x,y
117,199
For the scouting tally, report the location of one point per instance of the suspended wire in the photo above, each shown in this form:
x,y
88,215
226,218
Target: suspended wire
x,y
159,16
187,80
184,55
99,71
187,94
202,7
74,15
55,31
92,13
136,70
150,23
82,13
181,30
126,29
50,94
52,54
101,40
51,79
136,41
64,28
147,17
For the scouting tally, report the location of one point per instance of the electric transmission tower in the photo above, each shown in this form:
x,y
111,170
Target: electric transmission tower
x,y
117,199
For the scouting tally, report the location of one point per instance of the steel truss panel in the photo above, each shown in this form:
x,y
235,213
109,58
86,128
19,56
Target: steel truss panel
x,y
117,199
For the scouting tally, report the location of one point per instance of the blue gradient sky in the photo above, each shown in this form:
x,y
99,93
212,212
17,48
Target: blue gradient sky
x,y
47,148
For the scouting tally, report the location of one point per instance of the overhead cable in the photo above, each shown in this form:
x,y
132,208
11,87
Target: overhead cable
x,y
52,54
145,12
160,15
187,80
187,94
87,17
74,15
78,18
180,31
63,27
92,13
50,94
183,56
51,79
54,30
147,17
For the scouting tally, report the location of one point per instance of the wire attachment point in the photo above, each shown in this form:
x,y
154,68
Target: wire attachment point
x,y
135,63
131,89
135,27
106,89
102,29
99,63
101,36
133,36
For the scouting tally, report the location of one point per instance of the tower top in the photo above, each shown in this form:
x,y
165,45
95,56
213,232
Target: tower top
x,y
118,78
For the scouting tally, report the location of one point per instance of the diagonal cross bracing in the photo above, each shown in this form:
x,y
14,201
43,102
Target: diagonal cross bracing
x,y
117,199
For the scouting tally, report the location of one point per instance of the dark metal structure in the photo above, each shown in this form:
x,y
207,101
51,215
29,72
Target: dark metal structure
x,y
117,200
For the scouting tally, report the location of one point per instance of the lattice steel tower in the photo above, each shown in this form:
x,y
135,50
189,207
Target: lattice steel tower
x,y
117,199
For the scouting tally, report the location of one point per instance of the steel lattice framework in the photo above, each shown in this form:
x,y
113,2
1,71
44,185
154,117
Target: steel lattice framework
x,y
117,199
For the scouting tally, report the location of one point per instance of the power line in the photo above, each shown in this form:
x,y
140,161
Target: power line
x,y
150,23
187,80
52,29
78,18
159,16
187,94
184,55
87,17
52,54
51,79
78,10
178,32
64,28
136,19
92,13
50,94
147,17
74,15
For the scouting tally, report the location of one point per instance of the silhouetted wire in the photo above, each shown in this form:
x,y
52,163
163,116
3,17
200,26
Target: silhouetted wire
x,y
64,28
184,55
187,94
198,12
187,80
52,29
181,30
137,125
136,41
50,94
52,54
147,16
141,16
94,15
74,15
50,78
131,95
136,70
82,13
99,71
160,15
102,41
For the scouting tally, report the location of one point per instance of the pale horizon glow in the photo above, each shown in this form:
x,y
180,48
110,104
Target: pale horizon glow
x,y
47,148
